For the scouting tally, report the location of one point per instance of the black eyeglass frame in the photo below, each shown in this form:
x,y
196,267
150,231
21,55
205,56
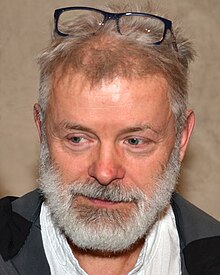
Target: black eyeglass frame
x,y
112,16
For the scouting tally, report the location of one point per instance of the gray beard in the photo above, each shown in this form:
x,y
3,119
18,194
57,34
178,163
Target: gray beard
x,y
102,229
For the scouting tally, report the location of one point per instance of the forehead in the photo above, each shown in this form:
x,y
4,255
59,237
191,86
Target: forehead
x,y
72,84
110,101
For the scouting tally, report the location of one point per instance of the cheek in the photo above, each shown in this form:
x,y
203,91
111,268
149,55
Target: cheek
x,y
70,168
143,173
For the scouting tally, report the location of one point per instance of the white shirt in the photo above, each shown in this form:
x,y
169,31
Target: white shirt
x,y
160,254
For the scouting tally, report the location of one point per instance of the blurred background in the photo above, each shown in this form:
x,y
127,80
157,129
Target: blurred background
x,y
26,27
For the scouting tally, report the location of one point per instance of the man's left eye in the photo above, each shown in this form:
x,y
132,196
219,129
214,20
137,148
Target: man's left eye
x,y
135,141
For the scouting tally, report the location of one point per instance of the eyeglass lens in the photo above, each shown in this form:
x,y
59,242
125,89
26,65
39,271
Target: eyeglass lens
x,y
74,18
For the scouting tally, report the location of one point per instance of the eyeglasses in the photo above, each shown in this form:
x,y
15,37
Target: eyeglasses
x,y
155,27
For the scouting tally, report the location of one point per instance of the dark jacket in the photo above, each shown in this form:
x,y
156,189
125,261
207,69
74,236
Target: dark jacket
x,y
22,251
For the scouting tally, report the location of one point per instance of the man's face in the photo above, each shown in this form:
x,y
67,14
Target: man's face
x,y
118,138
123,130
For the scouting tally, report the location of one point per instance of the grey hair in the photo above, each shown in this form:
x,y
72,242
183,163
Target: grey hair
x,y
108,54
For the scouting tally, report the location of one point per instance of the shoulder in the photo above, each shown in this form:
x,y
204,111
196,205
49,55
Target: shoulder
x,y
199,235
30,199
20,236
17,217
28,206
193,222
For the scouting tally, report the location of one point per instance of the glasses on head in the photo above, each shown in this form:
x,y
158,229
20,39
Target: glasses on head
x,y
155,27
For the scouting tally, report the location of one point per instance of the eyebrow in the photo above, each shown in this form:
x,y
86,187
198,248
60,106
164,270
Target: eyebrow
x,y
67,125
138,128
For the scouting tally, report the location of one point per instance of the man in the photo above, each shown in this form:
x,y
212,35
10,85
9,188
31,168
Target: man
x,y
114,126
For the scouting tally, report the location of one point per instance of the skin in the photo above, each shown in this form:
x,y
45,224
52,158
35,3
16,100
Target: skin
x,y
121,130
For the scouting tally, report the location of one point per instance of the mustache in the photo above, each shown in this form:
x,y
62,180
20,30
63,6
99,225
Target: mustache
x,y
114,192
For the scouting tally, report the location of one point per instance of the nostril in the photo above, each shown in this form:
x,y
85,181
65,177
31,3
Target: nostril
x,y
106,173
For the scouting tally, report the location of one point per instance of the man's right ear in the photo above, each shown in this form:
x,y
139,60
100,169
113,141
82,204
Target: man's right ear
x,y
37,119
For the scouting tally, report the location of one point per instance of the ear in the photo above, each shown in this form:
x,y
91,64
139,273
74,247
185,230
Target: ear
x,y
37,119
186,133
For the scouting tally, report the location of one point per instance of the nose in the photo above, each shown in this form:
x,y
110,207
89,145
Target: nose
x,y
106,167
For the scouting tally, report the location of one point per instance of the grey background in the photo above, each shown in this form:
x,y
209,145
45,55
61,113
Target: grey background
x,y
25,30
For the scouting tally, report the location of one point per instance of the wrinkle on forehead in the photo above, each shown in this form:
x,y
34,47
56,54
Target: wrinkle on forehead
x,y
110,104
117,93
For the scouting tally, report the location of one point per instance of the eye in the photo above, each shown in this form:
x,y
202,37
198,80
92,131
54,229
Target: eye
x,y
139,144
134,141
77,140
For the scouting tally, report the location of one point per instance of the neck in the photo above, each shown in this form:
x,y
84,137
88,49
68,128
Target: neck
x,y
102,263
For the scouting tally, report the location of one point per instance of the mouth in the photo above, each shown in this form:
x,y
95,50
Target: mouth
x,y
102,203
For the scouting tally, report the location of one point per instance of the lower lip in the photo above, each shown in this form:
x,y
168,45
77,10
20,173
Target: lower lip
x,y
103,202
